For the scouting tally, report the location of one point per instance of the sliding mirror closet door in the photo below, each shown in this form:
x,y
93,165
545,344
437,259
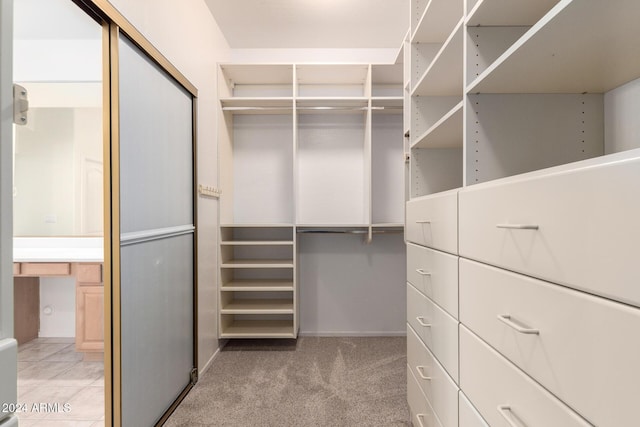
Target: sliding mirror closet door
x,y
157,238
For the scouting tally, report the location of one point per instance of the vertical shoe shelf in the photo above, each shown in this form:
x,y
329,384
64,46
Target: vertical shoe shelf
x,y
257,290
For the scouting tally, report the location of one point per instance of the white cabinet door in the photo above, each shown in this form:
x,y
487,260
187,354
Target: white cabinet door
x,y
437,386
575,227
585,351
433,221
437,330
422,414
435,274
503,394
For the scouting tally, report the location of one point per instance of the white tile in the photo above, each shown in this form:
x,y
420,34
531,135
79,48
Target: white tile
x,y
66,354
40,372
88,404
82,374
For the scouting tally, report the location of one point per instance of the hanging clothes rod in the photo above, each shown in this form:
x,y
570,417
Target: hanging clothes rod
x,y
307,108
335,231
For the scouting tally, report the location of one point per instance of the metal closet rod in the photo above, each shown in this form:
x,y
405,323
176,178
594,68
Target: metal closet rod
x,y
335,231
308,108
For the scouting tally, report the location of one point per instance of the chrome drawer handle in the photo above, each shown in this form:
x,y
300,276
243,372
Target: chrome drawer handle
x,y
423,221
503,409
506,319
420,417
421,272
420,370
420,320
519,226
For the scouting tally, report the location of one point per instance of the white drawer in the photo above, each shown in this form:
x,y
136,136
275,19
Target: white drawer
x,y
437,329
586,352
469,416
421,412
433,221
435,274
588,227
499,390
437,386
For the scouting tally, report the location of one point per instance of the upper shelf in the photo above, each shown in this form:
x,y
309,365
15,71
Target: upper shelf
x,y
332,74
437,21
579,46
508,12
444,76
445,133
247,74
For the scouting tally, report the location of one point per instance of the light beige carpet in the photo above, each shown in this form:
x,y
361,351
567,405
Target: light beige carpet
x,y
330,382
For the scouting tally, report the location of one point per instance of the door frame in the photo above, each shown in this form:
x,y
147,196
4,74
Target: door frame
x,y
8,345
114,24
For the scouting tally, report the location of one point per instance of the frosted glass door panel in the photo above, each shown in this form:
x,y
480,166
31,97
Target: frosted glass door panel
x,y
156,154
157,240
157,326
331,169
263,168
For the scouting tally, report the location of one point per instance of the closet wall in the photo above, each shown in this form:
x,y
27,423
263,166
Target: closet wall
x,y
520,277
316,150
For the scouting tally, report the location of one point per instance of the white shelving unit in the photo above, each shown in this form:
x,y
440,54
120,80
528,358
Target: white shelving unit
x,y
302,148
436,155
535,139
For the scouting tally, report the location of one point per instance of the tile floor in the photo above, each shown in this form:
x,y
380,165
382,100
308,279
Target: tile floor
x,y
51,372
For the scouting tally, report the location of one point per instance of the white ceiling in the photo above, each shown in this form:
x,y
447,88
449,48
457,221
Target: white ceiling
x,y
249,24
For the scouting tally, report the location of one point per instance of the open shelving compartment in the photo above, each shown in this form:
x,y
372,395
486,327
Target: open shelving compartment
x,y
297,148
387,147
436,94
524,115
257,281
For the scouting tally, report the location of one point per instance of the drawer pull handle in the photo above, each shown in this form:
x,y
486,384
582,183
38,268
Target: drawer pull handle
x,y
423,221
420,417
503,409
506,319
421,272
420,320
421,374
519,226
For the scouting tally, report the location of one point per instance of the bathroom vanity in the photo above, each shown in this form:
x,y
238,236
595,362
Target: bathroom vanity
x,y
78,257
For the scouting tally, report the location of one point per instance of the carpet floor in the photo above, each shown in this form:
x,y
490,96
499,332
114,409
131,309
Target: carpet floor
x,y
326,382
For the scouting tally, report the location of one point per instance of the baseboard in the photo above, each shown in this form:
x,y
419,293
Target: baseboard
x,y
352,334
209,362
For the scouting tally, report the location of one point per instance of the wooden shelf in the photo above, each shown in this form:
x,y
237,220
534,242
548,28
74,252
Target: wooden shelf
x,y
257,243
445,133
443,77
273,74
331,102
257,286
387,101
502,13
437,21
256,105
258,306
256,225
259,329
258,263
579,46
332,74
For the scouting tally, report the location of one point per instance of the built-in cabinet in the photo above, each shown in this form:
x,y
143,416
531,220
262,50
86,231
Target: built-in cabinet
x,y
523,183
303,149
89,290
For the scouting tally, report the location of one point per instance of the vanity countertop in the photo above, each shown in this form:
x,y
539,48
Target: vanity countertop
x,y
57,249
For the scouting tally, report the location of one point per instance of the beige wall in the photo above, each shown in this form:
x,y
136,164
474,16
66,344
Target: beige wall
x,y
187,34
